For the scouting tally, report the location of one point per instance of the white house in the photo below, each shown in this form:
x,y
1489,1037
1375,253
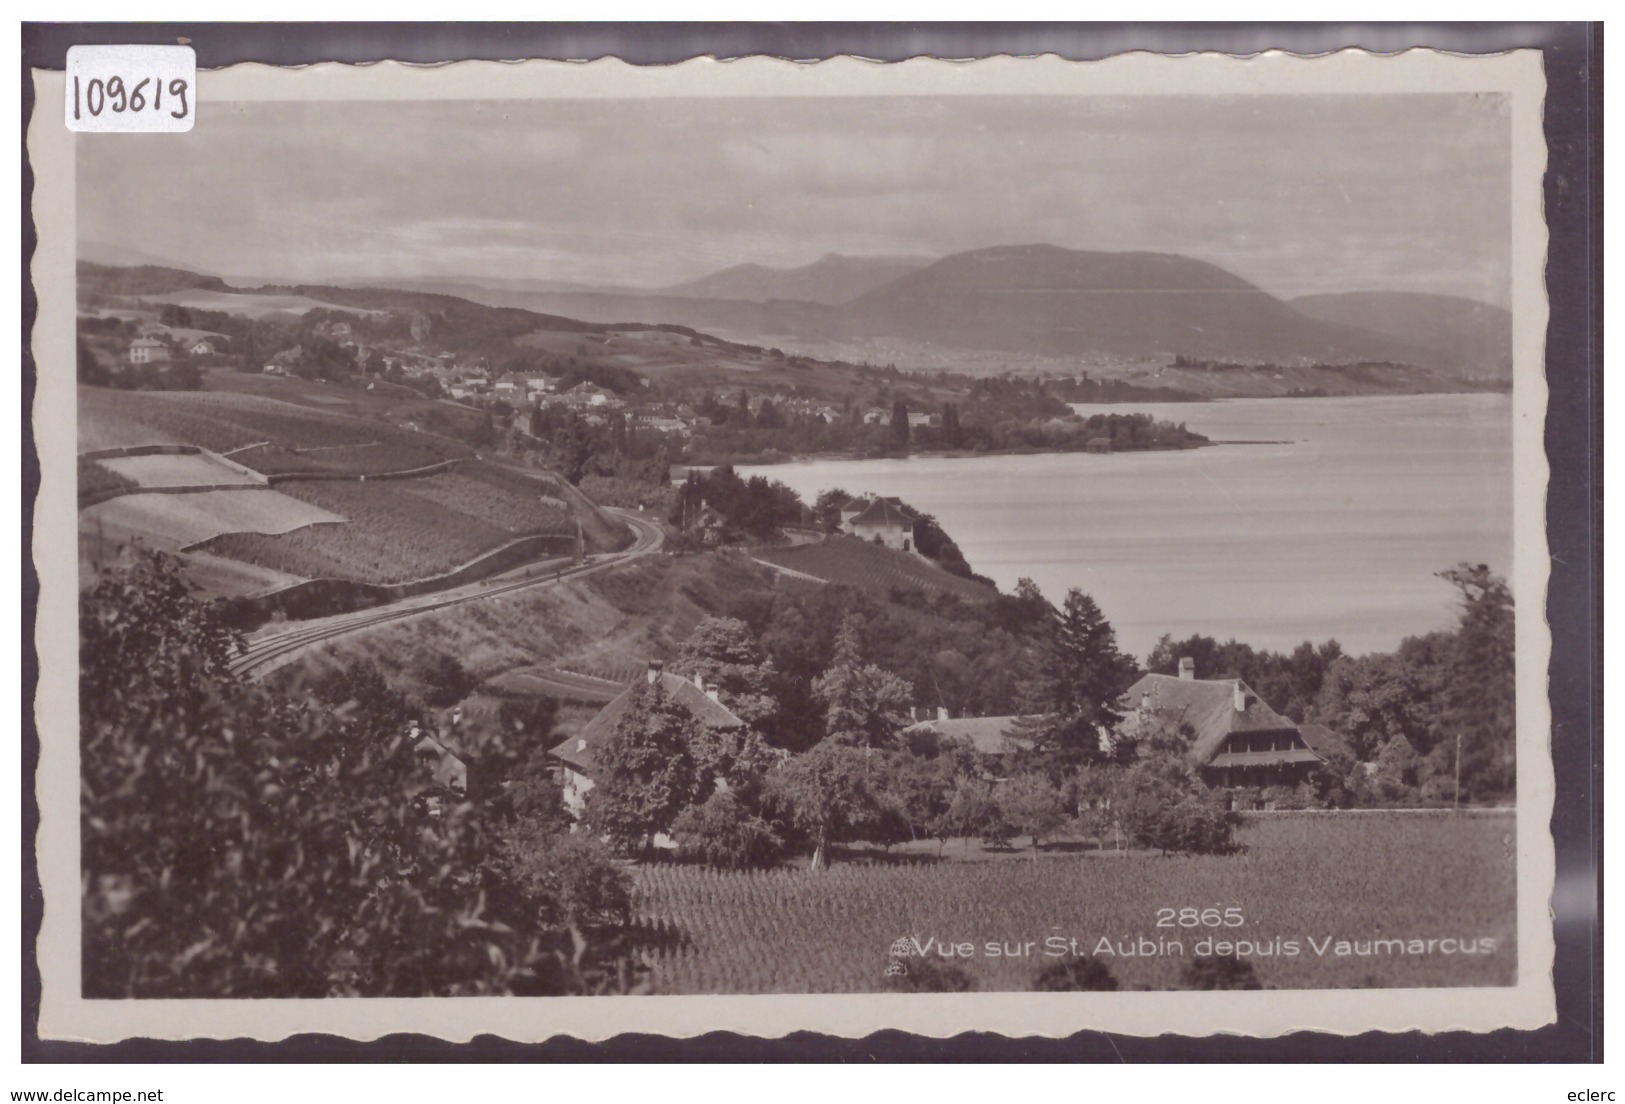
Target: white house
x,y
147,350
881,520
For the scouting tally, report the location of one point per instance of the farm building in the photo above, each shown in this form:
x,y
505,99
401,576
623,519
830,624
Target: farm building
x,y
880,520
1237,739
148,350
576,753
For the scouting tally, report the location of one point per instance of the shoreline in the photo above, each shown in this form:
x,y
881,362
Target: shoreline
x,y
938,454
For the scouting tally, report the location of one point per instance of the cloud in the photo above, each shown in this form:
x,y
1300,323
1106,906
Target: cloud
x,y
1294,193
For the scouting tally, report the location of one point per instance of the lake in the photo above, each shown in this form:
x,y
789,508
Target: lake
x,y
1337,534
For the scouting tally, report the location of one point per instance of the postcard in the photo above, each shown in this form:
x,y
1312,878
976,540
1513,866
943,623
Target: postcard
x,y
1013,545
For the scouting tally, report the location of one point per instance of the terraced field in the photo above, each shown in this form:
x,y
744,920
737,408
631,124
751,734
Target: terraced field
x,y
189,470
175,520
399,530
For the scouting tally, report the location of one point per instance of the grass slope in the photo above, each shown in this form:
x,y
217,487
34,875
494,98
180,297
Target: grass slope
x,y
605,624
870,567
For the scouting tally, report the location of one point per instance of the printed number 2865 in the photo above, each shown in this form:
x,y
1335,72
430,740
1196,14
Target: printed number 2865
x,y
1200,918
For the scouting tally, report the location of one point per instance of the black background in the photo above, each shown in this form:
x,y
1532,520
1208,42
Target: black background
x,y
1573,204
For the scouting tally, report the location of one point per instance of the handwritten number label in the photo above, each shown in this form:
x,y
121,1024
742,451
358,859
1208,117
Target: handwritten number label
x,y
131,89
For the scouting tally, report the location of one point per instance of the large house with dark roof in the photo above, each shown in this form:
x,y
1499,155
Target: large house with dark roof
x,y
1236,738
576,753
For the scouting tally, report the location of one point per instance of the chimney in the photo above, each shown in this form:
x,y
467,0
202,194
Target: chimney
x,y
656,669
712,694
1187,667
1241,698
942,712
699,682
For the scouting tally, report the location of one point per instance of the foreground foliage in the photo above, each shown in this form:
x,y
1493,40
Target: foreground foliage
x,y
239,844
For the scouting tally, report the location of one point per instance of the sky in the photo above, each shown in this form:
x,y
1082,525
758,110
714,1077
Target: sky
x,y
1299,194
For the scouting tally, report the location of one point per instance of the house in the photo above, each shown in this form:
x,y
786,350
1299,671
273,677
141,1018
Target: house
x,y
917,421
445,767
859,503
710,525
1098,444
876,415
1236,739
148,350
988,735
588,395
201,347
882,521
576,753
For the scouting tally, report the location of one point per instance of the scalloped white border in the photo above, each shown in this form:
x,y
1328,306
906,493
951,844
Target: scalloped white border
x,y
1529,1004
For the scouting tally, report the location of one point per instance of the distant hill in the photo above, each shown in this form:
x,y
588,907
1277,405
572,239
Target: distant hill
x,y
1471,337
144,279
830,280
117,255
1051,301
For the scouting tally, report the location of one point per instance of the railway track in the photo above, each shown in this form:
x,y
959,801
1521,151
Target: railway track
x,y
270,650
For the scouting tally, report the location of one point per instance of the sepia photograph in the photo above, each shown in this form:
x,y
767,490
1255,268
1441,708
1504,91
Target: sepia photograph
x,y
836,531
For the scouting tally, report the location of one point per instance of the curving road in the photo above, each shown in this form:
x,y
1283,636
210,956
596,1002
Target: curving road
x,y
267,652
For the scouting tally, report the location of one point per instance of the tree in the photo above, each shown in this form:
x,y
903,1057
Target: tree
x,y
725,833
1480,704
1031,805
899,423
569,879
1083,677
446,681
970,808
1075,973
863,705
724,653
1161,803
919,974
827,794
827,507
90,369
1210,972
647,774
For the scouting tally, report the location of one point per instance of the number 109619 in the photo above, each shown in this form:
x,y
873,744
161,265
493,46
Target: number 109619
x,y
131,88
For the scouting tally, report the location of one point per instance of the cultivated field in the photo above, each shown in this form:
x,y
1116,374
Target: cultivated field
x,y
399,530
1323,877
225,421
173,520
189,470
95,477
860,564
